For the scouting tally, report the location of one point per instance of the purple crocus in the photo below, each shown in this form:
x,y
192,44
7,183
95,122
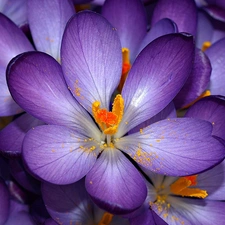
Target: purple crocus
x,y
196,199
85,138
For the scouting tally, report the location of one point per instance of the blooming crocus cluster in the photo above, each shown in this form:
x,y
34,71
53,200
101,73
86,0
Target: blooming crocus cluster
x,y
98,132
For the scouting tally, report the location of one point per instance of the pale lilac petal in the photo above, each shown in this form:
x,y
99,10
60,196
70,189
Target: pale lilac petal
x,y
11,145
213,181
15,10
59,155
47,23
204,29
211,109
91,59
192,211
155,78
19,215
36,83
129,19
115,184
175,147
197,82
184,15
4,196
216,56
168,112
162,27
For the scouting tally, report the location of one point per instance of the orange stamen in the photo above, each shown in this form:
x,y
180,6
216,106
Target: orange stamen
x,y
206,45
106,219
181,187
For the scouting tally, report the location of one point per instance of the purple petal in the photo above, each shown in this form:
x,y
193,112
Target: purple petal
x,y
197,82
23,177
91,59
216,56
75,206
38,210
47,23
216,12
11,45
36,83
129,19
15,10
50,222
184,15
4,196
155,78
168,112
204,29
115,184
162,27
211,109
146,217
177,147
11,145
59,155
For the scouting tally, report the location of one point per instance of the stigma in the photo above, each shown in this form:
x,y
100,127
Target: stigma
x,y
106,120
183,187
126,67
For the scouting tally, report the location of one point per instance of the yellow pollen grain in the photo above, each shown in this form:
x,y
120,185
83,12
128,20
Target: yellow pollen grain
x,y
141,131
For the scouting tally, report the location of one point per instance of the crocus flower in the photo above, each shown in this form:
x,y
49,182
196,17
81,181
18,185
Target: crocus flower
x,y
196,199
71,204
74,144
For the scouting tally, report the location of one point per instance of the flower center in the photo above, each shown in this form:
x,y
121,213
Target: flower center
x,y
126,67
109,121
183,187
106,219
206,45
